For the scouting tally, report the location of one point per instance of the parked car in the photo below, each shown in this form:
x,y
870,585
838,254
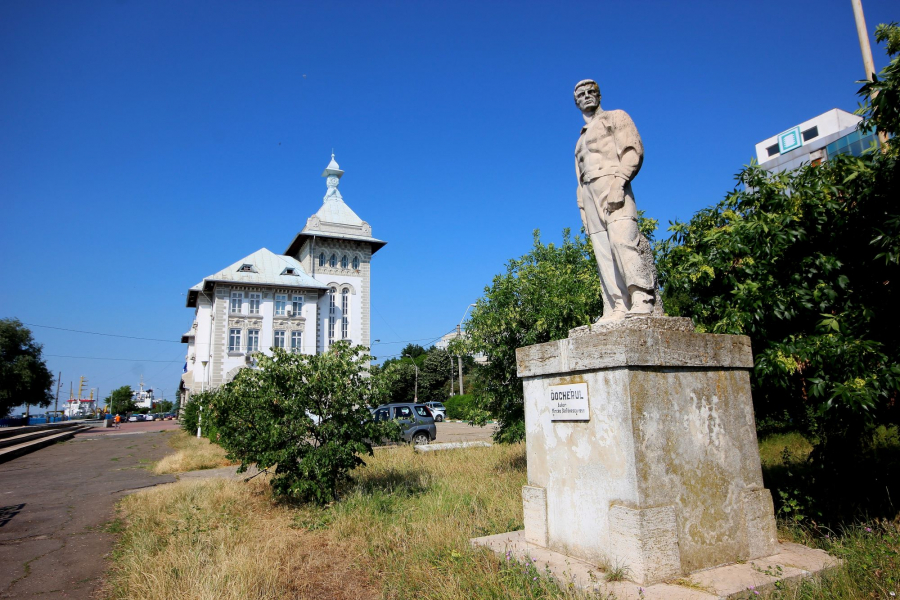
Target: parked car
x,y
438,410
149,417
416,420
135,418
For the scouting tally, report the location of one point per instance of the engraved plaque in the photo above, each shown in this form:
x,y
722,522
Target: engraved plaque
x,y
569,402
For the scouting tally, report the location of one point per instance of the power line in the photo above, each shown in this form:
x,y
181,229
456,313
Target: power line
x,y
418,340
104,358
130,337
432,339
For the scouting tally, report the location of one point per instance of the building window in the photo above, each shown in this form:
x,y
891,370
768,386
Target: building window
x,y
234,340
255,299
280,304
772,150
332,262
322,259
356,263
253,340
245,268
297,305
345,262
278,341
289,271
345,314
332,317
296,341
237,298
812,132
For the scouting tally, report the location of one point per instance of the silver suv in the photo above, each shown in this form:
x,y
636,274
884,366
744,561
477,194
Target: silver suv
x,y
415,419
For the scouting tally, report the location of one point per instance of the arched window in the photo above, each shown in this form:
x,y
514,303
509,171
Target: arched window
x,y
332,262
322,259
344,262
332,317
356,263
345,314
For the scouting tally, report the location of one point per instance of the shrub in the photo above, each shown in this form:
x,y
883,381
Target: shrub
x,y
459,407
304,415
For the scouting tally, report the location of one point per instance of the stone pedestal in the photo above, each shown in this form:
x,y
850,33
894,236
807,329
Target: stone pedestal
x,y
642,449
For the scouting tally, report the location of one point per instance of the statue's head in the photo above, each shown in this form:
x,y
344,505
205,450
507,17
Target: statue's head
x,y
587,95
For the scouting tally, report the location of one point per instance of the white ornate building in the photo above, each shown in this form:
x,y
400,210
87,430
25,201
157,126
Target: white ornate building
x,y
304,300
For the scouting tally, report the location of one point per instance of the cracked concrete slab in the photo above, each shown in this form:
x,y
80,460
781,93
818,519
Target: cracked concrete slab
x,y
55,544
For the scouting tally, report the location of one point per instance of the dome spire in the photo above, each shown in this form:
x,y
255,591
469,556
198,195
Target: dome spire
x,y
333,175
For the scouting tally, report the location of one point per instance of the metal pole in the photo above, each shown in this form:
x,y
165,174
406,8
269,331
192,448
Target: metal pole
x,y
417,380
866,50
58,385
459,357
451,376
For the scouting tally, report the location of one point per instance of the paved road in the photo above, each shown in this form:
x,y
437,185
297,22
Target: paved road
x,y
463,432
56,502
141,427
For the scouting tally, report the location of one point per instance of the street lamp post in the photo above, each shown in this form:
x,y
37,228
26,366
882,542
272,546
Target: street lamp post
x,y
416,398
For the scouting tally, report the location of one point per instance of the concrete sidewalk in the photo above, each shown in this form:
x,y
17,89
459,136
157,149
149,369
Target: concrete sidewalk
x,y
55,507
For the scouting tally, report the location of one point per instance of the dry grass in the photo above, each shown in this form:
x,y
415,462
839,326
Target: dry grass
x,y
192,454
220,539
401,530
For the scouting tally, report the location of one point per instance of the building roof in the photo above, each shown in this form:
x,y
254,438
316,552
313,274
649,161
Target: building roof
x,y
816,132
263,267
335,219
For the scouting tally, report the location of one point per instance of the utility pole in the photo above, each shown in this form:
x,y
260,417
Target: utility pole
x,y
451,376
58,385
868,63
459,357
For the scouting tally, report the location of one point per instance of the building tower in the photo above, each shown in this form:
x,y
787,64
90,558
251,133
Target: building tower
x,y
335,248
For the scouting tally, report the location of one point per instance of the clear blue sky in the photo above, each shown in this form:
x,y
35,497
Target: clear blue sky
x,y
147,144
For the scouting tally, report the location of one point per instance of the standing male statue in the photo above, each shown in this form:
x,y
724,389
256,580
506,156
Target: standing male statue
x,y
608,155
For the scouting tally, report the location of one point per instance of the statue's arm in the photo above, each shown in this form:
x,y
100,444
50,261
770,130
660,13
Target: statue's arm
x,y
631,149
578,196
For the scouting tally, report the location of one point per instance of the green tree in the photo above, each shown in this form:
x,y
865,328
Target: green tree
x,y
24,377
305,415
164,406
434,376
402,380
413,351
540,298
883,111
806,264
121,400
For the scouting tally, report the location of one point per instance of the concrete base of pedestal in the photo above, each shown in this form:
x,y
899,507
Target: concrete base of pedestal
x,y
642,452
789,564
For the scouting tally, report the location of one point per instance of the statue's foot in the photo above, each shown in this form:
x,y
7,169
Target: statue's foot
x,y
613,315
641,304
